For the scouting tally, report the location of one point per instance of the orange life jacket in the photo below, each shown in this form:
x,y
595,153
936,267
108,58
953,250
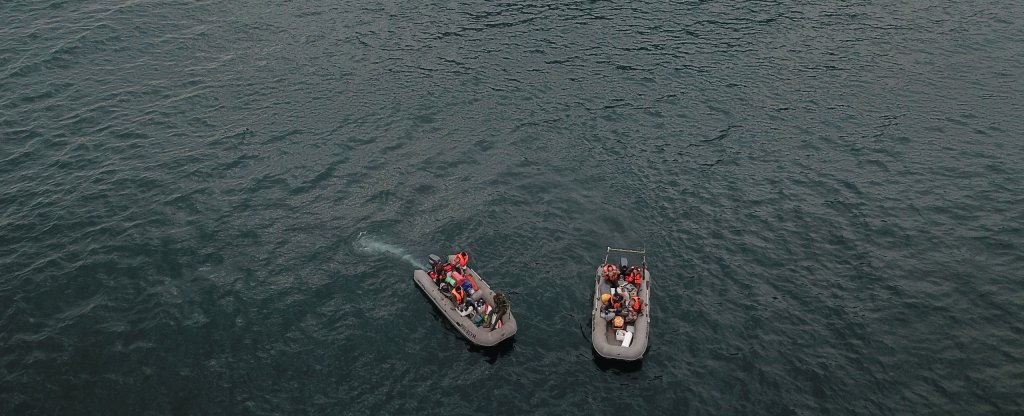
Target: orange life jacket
x,y
636,304
611,273
461,259
459,294
635,277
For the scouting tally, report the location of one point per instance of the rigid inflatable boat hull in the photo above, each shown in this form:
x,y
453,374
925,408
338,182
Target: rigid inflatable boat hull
x,y
603,335
476,335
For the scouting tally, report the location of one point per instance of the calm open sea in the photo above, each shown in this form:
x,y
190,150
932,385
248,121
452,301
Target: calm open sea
x,y
215,207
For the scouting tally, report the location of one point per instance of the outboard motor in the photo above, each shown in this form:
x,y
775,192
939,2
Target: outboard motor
x,y
434,260
623,266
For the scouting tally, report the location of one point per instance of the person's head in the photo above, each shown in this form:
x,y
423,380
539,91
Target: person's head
x,y
617,297
606,297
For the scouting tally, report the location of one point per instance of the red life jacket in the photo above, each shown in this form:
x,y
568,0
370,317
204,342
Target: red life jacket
x,y
611,273
635,277
636,304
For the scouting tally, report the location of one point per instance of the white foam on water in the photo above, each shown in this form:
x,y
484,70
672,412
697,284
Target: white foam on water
x,y
373,245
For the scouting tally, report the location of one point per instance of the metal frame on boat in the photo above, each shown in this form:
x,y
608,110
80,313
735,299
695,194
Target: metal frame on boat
x,y
603,335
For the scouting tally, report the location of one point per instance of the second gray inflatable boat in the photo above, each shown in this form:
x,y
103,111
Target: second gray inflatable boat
x,y
628,343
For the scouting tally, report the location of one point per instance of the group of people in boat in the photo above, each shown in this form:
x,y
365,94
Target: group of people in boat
x,y
457,284
620,299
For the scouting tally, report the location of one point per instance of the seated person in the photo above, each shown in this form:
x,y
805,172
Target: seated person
x,y
458,294
616,304
460,261
635,305
436,272
635,276
610,272
446,290
606,307
631,316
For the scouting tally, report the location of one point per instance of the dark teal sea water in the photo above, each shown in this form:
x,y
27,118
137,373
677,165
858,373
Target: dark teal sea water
x,y
216,207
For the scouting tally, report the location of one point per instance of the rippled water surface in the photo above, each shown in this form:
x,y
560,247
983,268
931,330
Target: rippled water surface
x,y
216,207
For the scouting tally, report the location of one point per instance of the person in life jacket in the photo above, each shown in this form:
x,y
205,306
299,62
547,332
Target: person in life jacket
x,y
635,276
459,294
616,302
460,260
637,304
611,272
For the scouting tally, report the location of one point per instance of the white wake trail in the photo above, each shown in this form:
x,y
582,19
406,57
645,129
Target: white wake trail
x,y
371,244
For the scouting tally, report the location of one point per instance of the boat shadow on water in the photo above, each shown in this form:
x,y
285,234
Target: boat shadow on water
x,y
607,364
491,354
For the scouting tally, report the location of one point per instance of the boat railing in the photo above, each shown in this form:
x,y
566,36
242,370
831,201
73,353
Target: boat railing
x,y
642,252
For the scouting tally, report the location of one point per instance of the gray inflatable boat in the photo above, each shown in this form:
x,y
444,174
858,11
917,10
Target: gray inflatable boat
x,y
463,320
630,342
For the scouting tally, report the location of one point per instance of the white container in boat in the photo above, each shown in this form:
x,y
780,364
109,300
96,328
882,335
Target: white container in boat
x,y
620,335
628,339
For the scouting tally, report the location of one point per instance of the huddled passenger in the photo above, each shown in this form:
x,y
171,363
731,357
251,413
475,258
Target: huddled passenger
x,y
635,276
611,273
